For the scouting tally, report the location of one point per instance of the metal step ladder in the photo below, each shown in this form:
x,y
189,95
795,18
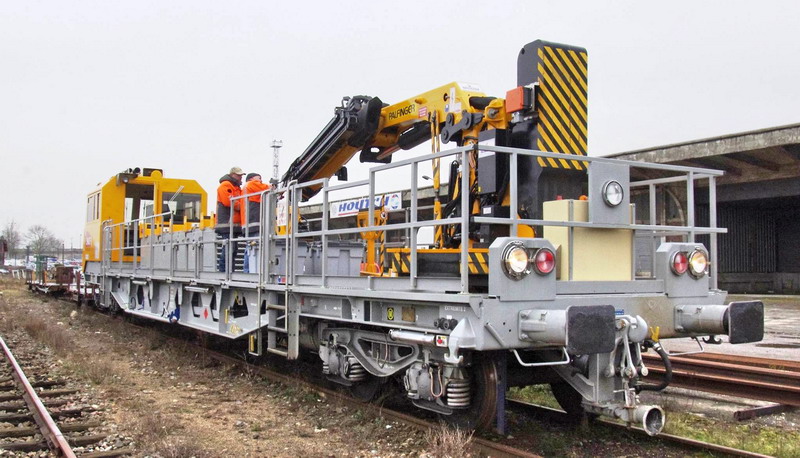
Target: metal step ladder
x,y
282,326
238,260
276,315
283,320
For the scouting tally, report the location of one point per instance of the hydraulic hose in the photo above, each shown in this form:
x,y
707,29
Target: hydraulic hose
x,y
667,379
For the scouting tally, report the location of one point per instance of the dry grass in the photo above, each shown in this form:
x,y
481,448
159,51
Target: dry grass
x,y
159,435
540,395
153,339
98,370
179,448
768,440
155,426
6,281
53,336
446,442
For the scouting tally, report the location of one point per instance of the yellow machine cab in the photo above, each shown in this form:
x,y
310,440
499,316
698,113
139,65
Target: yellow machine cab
x,y
146,199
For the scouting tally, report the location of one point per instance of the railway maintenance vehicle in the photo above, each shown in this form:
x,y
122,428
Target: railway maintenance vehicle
x,y
532,263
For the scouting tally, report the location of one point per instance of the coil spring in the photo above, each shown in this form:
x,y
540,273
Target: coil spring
x,y
354,371
326,369
458,393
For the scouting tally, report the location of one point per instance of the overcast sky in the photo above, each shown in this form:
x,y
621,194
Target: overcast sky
x,y
89,88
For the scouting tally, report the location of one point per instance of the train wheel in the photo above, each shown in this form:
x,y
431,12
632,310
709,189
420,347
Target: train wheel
x,y
482,412
568,398
367,390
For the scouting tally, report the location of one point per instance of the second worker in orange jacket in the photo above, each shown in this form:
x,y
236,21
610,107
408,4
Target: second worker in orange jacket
x,y
251,217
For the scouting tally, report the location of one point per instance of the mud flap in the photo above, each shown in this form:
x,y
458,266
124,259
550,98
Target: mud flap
x,y
590,329
121,302
745,321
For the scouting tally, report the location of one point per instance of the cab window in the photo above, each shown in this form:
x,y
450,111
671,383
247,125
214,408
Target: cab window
x,y
182,206
93,207
138,201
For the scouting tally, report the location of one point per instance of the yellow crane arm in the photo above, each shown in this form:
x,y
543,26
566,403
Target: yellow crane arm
x,y
365,124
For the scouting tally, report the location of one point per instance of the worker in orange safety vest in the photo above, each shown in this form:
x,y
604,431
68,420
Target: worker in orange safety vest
x,y
229,187
251,218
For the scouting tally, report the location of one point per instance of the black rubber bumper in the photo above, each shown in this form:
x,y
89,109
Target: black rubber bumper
x,y
590,329
745,321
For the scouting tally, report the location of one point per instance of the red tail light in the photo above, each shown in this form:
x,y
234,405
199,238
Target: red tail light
x,y
544,262
679,263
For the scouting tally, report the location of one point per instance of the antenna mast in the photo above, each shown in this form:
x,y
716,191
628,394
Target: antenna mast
x,y
276,146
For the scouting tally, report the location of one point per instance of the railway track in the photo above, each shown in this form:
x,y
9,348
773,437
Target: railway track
x,y
492,448
733,375
44,419
481,446
35,410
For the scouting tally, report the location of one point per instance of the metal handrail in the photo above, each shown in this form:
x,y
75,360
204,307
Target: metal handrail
x,y
291,192
697,175
690,230
109,248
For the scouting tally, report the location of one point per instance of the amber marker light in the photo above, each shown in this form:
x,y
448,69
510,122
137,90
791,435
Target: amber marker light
x,y
516,262
698,263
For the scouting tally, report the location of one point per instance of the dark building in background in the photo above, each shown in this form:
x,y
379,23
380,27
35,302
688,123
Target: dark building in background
x,y
3,251
758,201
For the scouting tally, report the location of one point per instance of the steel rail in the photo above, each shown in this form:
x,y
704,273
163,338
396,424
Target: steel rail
x,y
748,377
752,361
57,442
561,416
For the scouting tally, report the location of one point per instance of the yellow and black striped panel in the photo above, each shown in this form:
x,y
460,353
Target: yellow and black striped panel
x,y
399,259
561,99
382,249
478,262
